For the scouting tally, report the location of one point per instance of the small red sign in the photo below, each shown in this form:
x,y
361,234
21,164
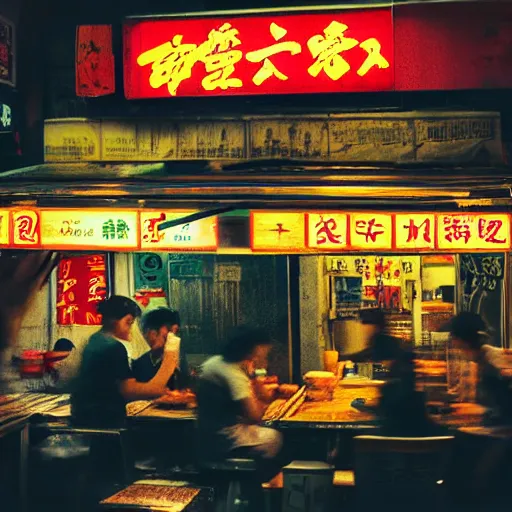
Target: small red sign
x,y
81,285
26,228
339,51
94,61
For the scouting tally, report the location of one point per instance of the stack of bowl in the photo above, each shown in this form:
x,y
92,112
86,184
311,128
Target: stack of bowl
x,y
320,386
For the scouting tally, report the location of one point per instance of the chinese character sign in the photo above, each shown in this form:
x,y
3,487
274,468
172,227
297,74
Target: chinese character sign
x,y
95,74
339,51
5,118
81,285
199,235
473,231
4,227
277,231
327,231
415,231
7,52
356,231
371,230
26,228
114,229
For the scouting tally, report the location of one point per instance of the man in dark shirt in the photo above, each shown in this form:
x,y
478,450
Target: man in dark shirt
x,y
401,409
105,383
469,333
488,475
96,397
157,325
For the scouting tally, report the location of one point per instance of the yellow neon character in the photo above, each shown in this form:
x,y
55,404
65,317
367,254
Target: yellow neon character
x,y
375,58
268,69
172,62
327,50
219,58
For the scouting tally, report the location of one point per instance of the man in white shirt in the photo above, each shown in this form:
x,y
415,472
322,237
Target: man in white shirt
x,y
230,408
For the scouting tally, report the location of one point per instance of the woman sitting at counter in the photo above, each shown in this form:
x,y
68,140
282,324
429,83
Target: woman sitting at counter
x,y
105,381
229,407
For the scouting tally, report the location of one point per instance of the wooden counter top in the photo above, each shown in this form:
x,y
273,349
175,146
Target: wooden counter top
x,y
335,414
493,432
154,412
18,408
339,410
140,409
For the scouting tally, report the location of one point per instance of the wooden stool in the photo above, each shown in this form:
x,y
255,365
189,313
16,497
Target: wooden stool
x,y
307,486
344,487
344,478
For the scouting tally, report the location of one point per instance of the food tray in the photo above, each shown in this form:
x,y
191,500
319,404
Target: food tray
x,y
175,405
161,496
360,383
136,407
338,411
279,408
154,412
177,400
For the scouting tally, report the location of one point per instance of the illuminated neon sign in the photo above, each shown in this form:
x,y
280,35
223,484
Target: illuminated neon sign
x,y
374,231
329,52
5,117
270,231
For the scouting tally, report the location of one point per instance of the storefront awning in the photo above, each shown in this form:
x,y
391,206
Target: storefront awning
x,y
299,208
257,184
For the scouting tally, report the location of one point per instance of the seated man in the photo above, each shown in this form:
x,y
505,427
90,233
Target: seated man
x,y
157,325
105,382
230,408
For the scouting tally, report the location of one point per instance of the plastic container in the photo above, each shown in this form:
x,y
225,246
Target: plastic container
x,y
52,357
331,360
307,486
350,370
32,364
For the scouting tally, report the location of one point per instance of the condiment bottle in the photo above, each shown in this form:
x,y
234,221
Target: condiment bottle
x,y
350,370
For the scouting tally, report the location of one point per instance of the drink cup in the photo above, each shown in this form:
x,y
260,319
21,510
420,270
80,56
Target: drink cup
x,y
331,361
173,343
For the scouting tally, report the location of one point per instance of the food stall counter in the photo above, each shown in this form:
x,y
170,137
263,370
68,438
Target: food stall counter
x,y
154,412
338,413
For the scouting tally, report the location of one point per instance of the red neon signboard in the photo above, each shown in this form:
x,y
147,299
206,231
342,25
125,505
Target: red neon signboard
x,y
339,51
81,285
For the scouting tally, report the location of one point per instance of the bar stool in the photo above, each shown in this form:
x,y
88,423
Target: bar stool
x,y
117,436
236,488
60,459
